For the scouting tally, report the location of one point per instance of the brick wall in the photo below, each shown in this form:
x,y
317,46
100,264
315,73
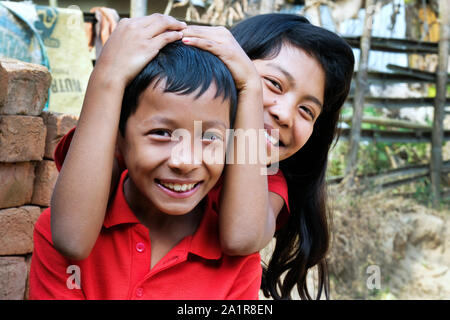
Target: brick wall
x,y
28,137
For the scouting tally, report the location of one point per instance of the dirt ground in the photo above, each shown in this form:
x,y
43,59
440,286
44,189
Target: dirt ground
x,y
405,241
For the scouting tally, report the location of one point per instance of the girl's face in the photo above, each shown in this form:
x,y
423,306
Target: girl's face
x,y
293,95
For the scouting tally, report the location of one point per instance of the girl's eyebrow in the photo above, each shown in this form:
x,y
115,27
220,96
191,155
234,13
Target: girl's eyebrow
x,y
286,73
314,100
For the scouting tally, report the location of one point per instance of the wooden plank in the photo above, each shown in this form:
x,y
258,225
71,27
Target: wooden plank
x,y
425,75
395,177
389,78
417,136
396,103
397,45
387,122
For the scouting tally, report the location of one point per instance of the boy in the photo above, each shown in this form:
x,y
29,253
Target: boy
x,y
159,239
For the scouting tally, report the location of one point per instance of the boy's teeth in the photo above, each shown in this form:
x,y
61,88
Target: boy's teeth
x,y
178,187
271,139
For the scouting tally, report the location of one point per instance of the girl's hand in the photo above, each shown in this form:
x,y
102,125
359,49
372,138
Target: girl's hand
x,y
220,42
134,43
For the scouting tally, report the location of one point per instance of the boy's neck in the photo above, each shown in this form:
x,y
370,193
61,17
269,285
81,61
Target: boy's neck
x,y
176,226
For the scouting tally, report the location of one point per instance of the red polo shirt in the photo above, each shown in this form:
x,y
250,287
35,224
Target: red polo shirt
x,y
276,183
119,264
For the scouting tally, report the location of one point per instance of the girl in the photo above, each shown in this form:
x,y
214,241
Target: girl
x,y
306,73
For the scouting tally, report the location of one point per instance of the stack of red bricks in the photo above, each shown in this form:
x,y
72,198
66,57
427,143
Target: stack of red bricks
x,y
28,137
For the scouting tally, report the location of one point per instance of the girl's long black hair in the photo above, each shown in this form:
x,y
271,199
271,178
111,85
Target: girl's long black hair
x,y
303,241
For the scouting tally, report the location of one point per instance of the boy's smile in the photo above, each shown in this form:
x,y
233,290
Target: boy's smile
x,y
162,180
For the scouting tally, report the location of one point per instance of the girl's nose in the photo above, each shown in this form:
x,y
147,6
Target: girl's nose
x,y
282,114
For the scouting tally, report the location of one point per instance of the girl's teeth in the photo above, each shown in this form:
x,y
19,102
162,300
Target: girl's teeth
x,y
271,139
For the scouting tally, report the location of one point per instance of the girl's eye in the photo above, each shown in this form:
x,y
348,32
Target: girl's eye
x,y
308,111
275,84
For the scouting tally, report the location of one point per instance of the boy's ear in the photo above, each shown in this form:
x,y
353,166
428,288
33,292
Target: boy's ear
x,y
118,152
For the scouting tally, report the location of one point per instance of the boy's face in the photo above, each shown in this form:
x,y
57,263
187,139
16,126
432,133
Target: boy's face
x,y
293,95
168,180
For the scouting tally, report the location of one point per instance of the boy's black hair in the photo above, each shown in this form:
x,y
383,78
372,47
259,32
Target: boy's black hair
x,y
184,69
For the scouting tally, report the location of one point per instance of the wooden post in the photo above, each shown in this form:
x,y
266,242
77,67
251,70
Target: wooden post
x,y
138,8
360,91
439,104
53,3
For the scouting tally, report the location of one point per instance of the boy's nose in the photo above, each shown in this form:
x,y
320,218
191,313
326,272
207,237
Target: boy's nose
x,y
185,159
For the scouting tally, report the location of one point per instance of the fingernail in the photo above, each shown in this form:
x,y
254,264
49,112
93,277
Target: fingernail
x,y
186,40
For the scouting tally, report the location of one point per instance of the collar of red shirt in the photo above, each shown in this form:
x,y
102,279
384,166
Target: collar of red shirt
x,y
204,242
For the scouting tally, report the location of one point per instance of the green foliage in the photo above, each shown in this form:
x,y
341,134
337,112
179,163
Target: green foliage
x,y
374,157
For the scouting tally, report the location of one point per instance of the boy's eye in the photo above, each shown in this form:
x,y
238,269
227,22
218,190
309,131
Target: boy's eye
x,y
307,111
211,136
163,133
275,85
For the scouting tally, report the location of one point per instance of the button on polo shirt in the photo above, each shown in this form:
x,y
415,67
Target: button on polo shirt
x,y
119,264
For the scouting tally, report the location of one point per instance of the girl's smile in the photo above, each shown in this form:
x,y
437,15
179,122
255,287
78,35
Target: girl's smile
x,y
293,94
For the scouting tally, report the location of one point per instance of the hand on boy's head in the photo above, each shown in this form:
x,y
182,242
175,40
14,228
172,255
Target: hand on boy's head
x,y
220,42
134,43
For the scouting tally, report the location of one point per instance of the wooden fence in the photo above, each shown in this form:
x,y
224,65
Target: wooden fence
x,y
410,132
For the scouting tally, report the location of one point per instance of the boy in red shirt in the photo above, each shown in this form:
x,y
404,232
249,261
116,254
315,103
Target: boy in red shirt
x,y
159,239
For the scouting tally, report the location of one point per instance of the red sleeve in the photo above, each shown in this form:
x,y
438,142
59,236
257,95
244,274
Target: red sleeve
x,y
247,284
277,184
49,269
62,147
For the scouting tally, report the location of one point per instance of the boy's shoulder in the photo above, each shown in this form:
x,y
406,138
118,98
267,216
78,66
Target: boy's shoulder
x,y
43,224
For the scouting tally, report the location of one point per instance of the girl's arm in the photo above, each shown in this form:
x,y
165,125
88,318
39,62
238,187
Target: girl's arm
x,y
81,192
247,211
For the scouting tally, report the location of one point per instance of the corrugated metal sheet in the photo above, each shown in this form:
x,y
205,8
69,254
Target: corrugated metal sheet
x,y
382,27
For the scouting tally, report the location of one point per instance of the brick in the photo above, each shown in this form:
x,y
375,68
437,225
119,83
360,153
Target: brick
x,y
22,138
13,277
46,175
17,184
58,124
16,229
26,87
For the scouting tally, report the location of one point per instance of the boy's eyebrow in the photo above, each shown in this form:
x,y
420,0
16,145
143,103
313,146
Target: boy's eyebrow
x,y
215,123
170,122
160,119
291,80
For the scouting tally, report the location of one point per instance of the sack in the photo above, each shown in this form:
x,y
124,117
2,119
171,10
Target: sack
x,y
35,33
